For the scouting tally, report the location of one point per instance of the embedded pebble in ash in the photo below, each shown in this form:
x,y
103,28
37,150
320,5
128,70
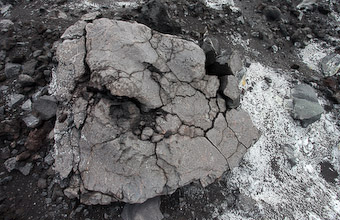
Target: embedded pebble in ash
x,y
137,115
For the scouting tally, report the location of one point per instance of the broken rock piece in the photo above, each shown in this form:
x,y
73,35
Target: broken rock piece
x,y
306,107
330,65
137,115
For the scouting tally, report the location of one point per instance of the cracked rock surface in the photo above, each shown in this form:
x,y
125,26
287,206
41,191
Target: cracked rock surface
x,y
138,117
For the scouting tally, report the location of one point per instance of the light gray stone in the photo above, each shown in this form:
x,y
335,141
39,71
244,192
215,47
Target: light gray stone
x,y
26,80
46,106
25,170
149,210
29,67
31,121
240,123
71,192
306,107
5,25
235,63
229,87
147,133
11,164
15,99
139,129
6,10
330,65
91,16
27,105
75,31
12,70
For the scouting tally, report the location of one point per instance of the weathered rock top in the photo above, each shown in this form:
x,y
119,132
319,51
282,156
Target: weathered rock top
x,y
138,116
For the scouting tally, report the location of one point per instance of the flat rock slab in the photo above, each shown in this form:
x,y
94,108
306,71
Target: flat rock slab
x,y
137,116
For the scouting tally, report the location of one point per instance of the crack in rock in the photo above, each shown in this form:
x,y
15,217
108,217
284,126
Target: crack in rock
x,y
138,117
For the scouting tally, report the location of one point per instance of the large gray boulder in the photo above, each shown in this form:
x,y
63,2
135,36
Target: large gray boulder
x,y
142,117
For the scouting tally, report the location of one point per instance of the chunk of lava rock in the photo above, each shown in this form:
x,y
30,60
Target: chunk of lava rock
x,y
148,210
12,70
306,107
138,80
11,164
31,121
229,87
46,106
330,65
15,99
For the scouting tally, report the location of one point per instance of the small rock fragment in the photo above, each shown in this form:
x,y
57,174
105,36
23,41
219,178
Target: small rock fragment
x,y
75,31
306,107
229,87
211,48
27,105
5,153
91,16
46,106
42,183
149,210
12,70
29,67
306,4
49,159
26,80
72,193
31,121
272,13
23,156
35,139
5,25
25,170
236,63
330,65
15,99
147,133
11,164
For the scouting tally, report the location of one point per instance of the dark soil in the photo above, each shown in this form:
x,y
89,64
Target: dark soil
x,y
272,28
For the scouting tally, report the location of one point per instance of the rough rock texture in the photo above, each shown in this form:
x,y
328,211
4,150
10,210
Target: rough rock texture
x,y
229,87
306,107
138,116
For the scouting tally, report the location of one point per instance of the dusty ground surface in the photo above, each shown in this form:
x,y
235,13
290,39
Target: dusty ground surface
x,y
277,45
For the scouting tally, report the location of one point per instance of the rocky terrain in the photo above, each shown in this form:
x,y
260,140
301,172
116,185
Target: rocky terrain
x,y
198,74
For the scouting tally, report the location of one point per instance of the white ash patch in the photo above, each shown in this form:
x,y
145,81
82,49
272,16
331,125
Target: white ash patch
x,y
218,4
312,54
97,4
266,175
